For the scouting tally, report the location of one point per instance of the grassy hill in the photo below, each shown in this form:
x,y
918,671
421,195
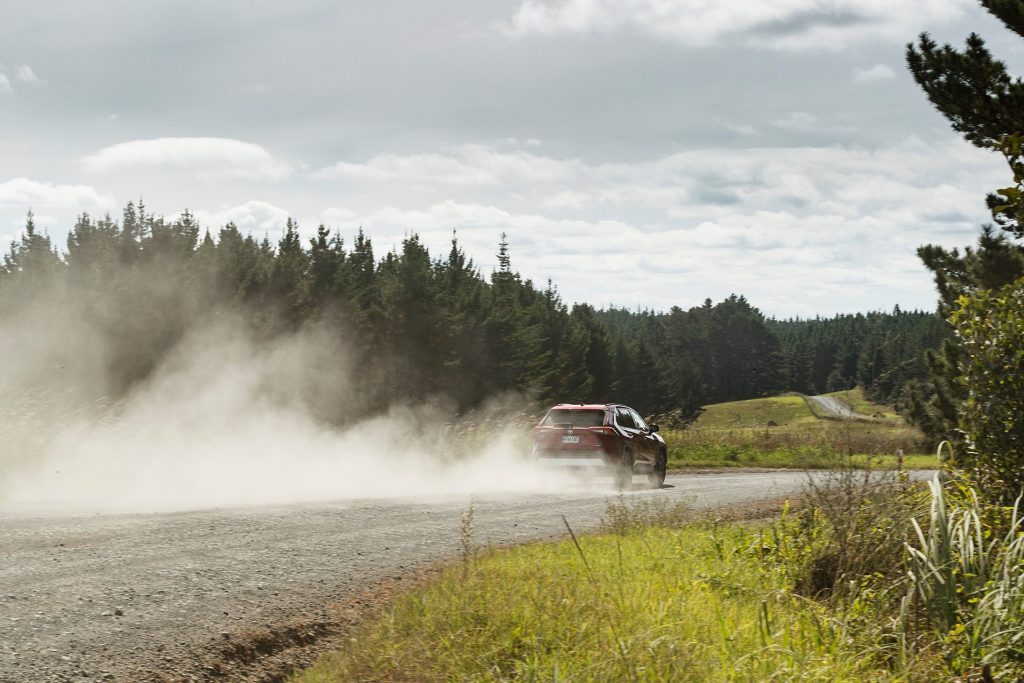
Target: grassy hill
x,y
785,431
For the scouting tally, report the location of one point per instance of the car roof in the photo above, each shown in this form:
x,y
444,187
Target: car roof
x,y
587,406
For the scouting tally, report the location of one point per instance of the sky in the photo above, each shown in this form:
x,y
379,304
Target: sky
x,y
638,153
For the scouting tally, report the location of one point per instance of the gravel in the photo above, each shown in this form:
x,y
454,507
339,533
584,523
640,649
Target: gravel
x,y
139,597
830,406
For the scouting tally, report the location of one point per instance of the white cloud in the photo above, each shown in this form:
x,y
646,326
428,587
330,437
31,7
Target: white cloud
x,y
802,122
879,72
744,129
250,89
799,121
831,228
21,74
831,262
251,216
40,220
468,165
23,193
208,158
24,74
774,24
567,199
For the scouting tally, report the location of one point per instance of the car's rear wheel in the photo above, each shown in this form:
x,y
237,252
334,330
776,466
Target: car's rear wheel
x,y
656,477
624,471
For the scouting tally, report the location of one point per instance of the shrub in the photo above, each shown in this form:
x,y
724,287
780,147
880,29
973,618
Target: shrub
x,y
990,326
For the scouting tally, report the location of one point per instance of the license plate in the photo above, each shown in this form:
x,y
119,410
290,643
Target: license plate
x,y
570,439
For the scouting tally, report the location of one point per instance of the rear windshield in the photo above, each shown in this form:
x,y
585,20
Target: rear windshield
x,y
576,418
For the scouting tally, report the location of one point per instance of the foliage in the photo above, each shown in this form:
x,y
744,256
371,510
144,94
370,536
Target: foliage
x,y
965,581
714,354
880,352
990,328
981,100
414,325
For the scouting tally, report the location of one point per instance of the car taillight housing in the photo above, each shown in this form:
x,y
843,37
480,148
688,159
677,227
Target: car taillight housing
x,y
602,430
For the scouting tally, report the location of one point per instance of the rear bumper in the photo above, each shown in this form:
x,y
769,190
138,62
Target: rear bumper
x,y
582,459
572,463
577,457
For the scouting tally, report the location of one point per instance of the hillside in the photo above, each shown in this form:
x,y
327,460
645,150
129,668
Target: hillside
x,y
795,430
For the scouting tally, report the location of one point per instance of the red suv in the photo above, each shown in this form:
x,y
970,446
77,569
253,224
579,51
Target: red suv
x,y
611,436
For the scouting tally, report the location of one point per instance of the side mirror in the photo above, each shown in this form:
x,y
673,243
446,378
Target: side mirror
x,y
654,428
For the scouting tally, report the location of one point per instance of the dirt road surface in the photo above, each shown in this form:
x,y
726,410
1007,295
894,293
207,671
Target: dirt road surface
x,y
91,597
830,406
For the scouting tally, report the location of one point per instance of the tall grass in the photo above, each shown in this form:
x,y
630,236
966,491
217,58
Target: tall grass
x,y
966,580
697,603
828,436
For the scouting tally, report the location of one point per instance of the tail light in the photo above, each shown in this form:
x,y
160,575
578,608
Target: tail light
x,y
602,430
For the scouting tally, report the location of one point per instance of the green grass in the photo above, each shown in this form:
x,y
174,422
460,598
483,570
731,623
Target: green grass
x,y
756,413
784,432
803,457
856,399
697,604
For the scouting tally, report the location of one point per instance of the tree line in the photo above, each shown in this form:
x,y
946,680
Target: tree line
x,y
419,326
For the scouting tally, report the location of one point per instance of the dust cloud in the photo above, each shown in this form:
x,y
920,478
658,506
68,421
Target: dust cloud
x,y
224,419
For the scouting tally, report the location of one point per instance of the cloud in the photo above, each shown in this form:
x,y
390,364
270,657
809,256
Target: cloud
x,y
832,262
23,193
802,122
208,158
253,215
468,165
567,199
21,74
799,121
744,129
879,72
772,24
246,89
832,228
24,74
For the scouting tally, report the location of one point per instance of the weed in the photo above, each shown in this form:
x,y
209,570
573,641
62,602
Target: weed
x,y
622,517
466,534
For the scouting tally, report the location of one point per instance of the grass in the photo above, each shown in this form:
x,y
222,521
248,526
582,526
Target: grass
x,y
757,413
856,399
872,579
783,432
725,454
646,604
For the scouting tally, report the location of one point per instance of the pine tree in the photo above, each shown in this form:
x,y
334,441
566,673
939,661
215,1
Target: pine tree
x,y
975,92
288,276
31,269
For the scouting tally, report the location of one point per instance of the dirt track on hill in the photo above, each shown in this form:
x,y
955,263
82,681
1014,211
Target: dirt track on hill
x,y
832,407
89,597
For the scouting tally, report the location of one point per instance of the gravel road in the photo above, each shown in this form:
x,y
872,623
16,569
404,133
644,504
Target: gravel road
x,y
125,597
830,406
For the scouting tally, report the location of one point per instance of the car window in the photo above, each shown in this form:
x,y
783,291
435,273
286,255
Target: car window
x,y
576,418
640,424
625,419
